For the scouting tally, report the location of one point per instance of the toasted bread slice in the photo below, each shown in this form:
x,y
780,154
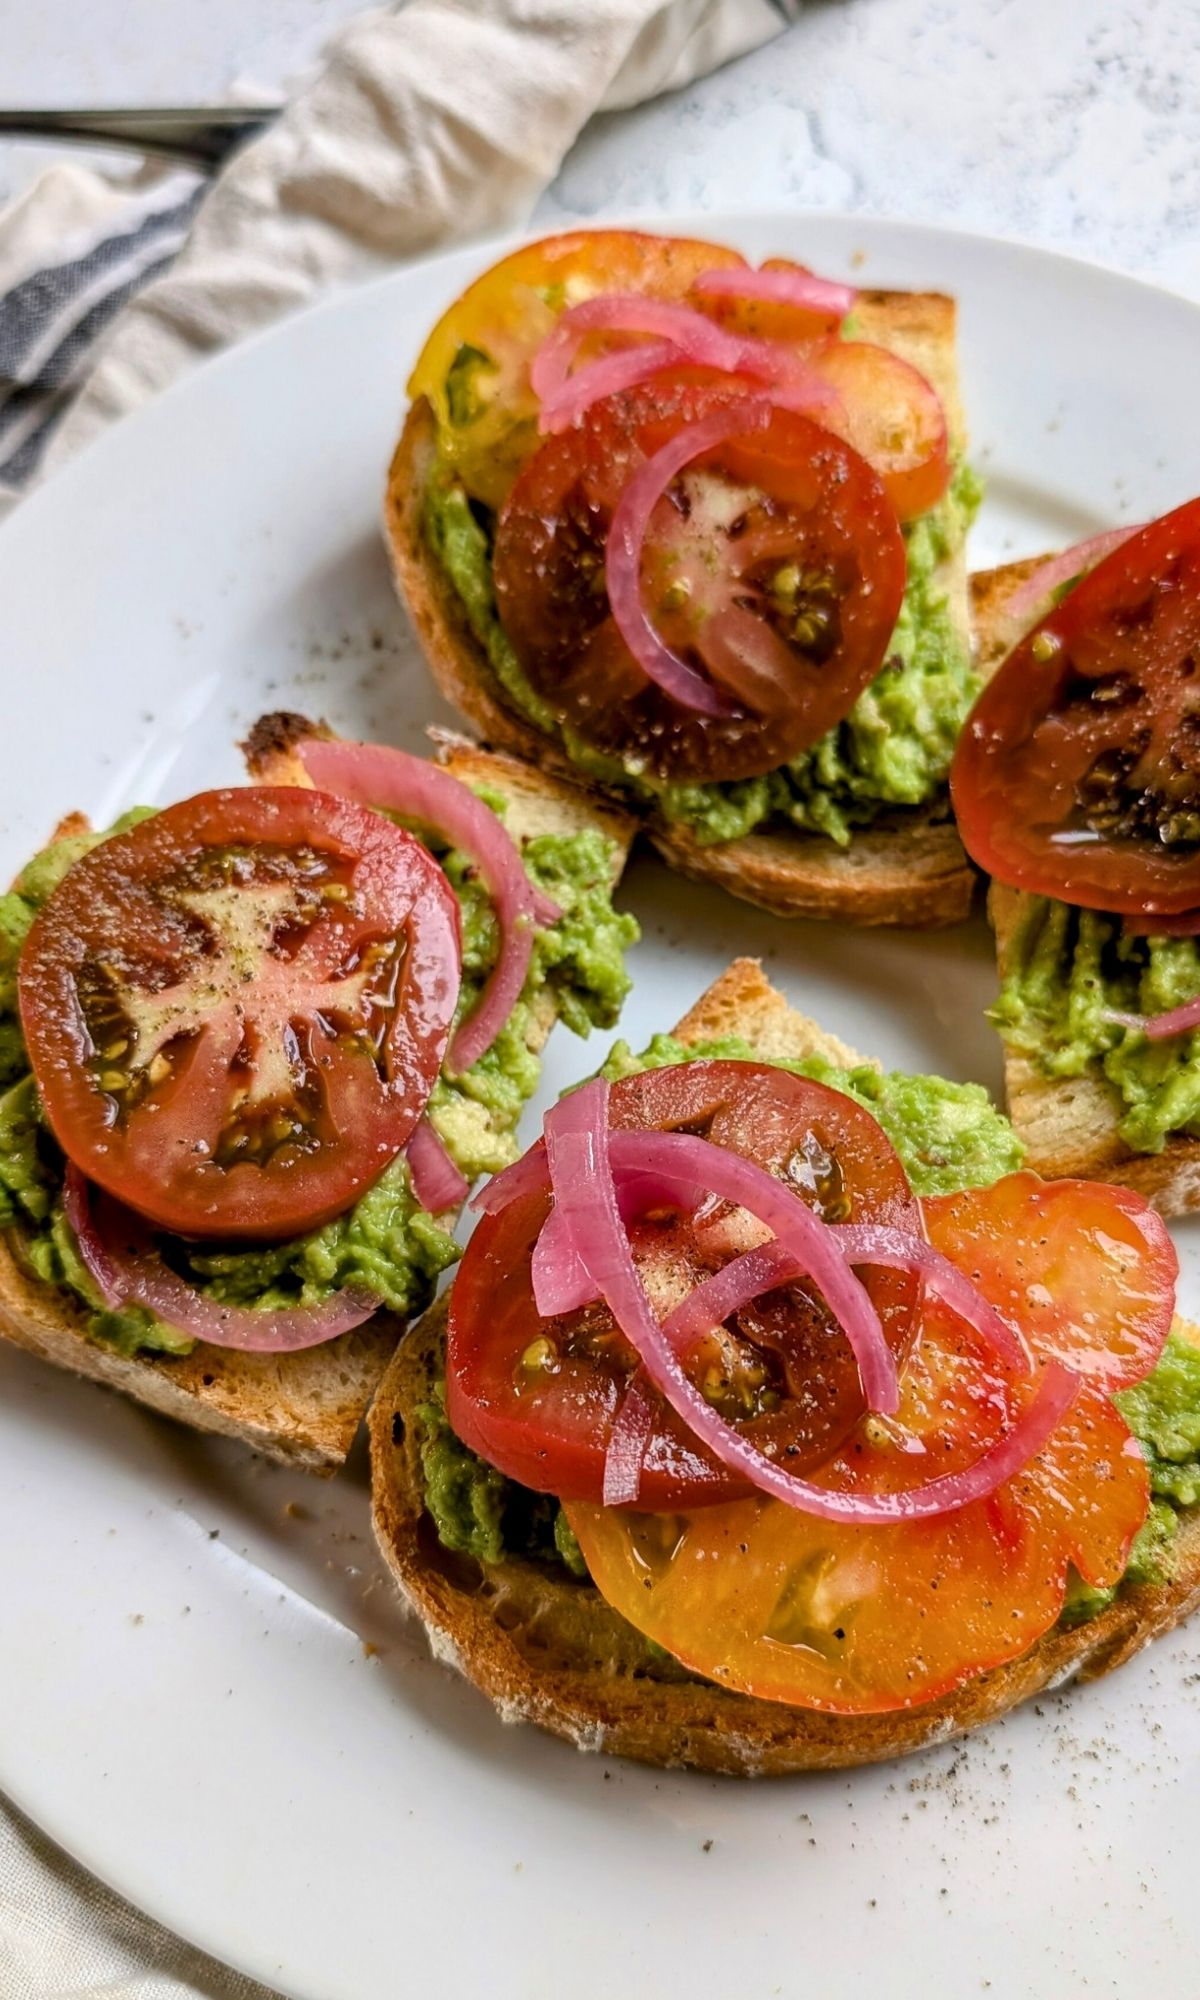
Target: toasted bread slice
x,y
548,1649
1068,1125
907,868
301,1408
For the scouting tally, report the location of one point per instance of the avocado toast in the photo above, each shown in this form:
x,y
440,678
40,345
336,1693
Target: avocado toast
x,y
498,1578
857,826
1088,1092
305,1406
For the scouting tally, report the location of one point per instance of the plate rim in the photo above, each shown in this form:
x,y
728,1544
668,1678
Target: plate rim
x,y
36,503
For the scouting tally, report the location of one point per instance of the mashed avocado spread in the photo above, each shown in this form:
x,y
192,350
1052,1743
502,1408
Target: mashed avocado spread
x,y
949,1136
1066,969
893,749
387,1243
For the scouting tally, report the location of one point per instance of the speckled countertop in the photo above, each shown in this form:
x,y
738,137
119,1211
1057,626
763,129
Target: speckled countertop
x,y
1063,121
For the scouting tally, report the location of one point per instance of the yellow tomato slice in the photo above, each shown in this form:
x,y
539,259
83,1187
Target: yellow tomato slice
x,y
857,1620
474,367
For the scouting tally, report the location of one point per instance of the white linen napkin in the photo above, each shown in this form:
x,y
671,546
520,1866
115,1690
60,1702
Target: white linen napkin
x,y
440,121
64,1936
429,124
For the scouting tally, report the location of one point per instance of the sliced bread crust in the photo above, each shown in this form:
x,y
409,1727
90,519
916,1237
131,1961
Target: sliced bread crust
x,y
908,868
303,1409
548,1649
1068,1125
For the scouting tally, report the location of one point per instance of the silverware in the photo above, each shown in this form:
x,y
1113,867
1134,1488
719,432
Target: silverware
x,y
199,135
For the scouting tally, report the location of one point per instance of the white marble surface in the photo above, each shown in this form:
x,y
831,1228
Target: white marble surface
x,y
1069,122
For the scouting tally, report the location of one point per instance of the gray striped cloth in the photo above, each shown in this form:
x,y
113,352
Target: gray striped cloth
x,y
52,317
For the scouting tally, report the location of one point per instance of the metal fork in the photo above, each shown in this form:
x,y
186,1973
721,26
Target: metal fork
x,y
196,135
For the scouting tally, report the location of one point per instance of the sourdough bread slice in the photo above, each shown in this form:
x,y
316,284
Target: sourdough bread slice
x,y
1068,1125
907,868
548,1649
305,1408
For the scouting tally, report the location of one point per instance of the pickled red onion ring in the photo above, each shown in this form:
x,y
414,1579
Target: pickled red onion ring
x,y
562,1284
526,1176
682,337
606,377
626,1453
735,1285
127,1270
560,1281
618,312
577,1145
681,1170
437,1182
1158,1027
877,1243
623,555
793,287
566,1287
530,1175
392,780
686,1163
1065,567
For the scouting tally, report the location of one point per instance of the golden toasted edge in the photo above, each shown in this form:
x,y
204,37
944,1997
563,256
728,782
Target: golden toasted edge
x,y
549,1650
1068,1125
302,1409
908,870
743,1002
922,327
996,630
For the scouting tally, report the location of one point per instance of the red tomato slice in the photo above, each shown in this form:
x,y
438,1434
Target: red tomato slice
x,y
474,367
759,1597
778,550
236,1011
537,1398
893,417
1078,772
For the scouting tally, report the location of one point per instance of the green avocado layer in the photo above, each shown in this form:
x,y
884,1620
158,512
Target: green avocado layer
x,y
892,750
1067,970
949,1136
387,1243
1163,1412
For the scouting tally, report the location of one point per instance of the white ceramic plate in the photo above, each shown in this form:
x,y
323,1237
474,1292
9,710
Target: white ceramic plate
x,y
206,1692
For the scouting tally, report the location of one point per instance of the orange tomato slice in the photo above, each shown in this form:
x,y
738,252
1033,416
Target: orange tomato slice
x,y
893,418
799,327
761,1598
